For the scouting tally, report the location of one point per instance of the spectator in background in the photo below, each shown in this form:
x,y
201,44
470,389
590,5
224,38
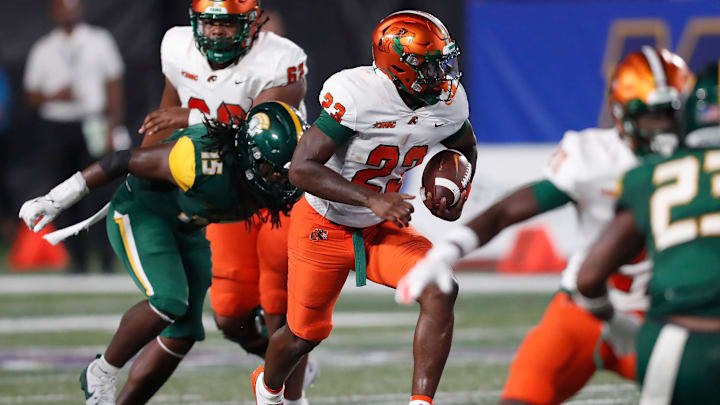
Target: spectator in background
x,y
73,77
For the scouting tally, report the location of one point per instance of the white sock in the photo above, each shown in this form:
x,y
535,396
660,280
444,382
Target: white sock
x,y
266,395
102,366
301,401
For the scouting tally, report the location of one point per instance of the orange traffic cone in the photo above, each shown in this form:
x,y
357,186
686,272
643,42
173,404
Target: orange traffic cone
x,y
533,252
30,251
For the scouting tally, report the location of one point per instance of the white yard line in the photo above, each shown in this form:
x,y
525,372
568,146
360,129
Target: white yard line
x,y
120,283
110,322
377,399
36,399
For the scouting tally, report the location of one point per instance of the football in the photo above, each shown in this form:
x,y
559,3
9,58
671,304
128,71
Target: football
x,y
447,174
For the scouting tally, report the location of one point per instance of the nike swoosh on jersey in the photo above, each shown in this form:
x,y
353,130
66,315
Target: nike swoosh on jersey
x,y
440,124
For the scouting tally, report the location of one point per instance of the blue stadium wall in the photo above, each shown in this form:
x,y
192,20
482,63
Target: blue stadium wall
x,y
534,69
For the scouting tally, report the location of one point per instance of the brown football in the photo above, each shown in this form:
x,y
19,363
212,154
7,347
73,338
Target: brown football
x,y
447,175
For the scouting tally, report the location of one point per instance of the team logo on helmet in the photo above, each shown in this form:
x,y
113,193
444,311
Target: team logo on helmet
x,y
258,123
394,37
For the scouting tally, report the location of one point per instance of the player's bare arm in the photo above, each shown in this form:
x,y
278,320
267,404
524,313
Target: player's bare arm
x,y
293,93
170,116
150,163
619,243
308,172
517,207
467,145
160,123
147,162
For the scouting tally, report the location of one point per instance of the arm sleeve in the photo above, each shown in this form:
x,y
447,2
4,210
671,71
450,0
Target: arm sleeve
x,y
333,129
114,66
548,196
182,163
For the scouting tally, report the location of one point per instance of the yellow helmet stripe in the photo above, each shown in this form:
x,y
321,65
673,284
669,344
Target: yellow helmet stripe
x,y
296,120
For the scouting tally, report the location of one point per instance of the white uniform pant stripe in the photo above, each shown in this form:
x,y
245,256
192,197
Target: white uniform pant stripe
x,y
123,220
662,369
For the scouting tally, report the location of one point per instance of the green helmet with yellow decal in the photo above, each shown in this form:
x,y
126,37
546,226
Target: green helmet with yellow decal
x,y
701,117
265,146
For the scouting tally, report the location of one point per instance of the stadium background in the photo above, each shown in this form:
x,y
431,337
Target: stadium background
x,y
532,69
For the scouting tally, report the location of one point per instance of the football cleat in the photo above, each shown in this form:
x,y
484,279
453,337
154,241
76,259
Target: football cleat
x,y
98,389
312,371
255,380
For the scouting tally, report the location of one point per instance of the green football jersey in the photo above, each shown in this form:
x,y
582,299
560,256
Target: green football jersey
x,y
676,204
206,190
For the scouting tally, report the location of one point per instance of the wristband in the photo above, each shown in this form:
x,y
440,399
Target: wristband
x,y
195,117
116,163
459,242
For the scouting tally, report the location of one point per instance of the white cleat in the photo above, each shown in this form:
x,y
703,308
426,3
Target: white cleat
x,y
98,389
312,371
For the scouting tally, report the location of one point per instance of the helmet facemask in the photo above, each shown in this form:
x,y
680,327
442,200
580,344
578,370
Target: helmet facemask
x,y
224,50
271,181
264,156
652,127
438,73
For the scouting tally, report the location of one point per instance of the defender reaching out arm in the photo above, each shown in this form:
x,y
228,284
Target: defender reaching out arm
x,y
150,163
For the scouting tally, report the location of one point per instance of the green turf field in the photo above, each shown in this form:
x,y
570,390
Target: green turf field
x,y
45,340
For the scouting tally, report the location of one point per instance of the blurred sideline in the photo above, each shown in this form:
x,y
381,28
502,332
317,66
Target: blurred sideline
x,y
121,283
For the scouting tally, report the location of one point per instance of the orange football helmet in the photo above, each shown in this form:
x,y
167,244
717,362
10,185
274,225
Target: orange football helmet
x,y
243,13
415,50
650,82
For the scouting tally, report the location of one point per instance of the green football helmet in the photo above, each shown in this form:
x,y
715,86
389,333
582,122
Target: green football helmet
x,y
701,127
265,146
244,14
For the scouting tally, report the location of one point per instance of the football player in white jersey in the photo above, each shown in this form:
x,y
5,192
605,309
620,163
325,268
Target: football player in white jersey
x,y
558,357
220,66
377,122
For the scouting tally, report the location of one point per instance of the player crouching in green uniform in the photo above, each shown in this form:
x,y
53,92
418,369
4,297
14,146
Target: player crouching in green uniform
x,y
202,174
670,205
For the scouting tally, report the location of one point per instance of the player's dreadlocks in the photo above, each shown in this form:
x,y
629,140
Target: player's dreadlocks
x,y
229,138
